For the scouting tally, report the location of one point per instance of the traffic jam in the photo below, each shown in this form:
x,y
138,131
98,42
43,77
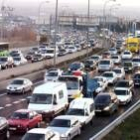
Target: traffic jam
x,y
70,99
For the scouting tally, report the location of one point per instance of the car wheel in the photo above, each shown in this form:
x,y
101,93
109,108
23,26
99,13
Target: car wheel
x,y
23,91
7,135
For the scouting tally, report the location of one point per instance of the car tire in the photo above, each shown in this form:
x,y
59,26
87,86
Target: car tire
x,y
7,137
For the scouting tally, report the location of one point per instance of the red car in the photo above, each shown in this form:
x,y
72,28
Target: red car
x,y
22,120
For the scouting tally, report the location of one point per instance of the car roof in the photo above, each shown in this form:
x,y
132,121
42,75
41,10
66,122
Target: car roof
x,y
47,87
39,131
81,103
66,117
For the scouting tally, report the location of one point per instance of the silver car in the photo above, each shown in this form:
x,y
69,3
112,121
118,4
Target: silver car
x,y
19,85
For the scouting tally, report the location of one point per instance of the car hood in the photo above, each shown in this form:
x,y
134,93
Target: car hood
x,y
18,121
40,107
60,130
15,86
122,98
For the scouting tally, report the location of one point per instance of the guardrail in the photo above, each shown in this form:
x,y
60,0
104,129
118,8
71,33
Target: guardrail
x,y
116,122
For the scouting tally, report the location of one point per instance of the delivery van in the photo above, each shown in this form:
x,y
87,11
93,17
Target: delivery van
x,y
49,99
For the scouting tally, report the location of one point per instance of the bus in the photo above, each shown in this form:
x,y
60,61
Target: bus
x,y
133,44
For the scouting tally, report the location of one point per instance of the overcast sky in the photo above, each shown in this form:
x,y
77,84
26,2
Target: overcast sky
x,y
30,7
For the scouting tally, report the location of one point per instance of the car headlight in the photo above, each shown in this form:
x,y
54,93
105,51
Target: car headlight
x,y
106,108
64,136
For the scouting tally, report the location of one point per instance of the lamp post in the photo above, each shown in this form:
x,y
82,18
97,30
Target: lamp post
x,y
39,9
55,32
88,24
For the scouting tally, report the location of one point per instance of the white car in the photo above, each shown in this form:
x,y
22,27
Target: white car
x,y
96,58
111,76
113,51
72,49
124,95
126,55
67,126
120,72
116,59
105,65
52,75
19,85
103,82
136,62
41,134
82,109
19,61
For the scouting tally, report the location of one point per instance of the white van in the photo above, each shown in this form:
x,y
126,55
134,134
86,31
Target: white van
x,y
49,99
51,53
83,109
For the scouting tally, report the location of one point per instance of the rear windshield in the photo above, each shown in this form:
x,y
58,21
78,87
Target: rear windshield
x,y
104,62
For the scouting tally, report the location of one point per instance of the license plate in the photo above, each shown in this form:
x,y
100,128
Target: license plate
x,y
12,128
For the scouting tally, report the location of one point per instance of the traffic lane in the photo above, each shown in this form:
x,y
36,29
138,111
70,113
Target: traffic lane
x,y
99,122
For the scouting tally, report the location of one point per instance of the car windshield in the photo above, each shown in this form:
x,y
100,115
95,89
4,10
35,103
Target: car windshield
x,y
41,99
120,92
114,57
128,64
15,55
89,62
50,51
60,123
108,75
33,136
18,82
122,84
132,44
104,62
118,71
77,112
35,49
136,60
17,59
112,50
126,52
137,76
20,115
3,59
104,99
95,57
52,74
75,66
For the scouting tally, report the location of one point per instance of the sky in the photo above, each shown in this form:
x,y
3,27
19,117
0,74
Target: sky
x,y
30,7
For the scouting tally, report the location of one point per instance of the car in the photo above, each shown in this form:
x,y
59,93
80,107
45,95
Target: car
x,y
128,66
51,53
111,76
78,46
62,52
113,51
96,58
72,49
29,55
125,84
124,95
4,129
136,79
106,55
52,75
6,62
41,134
90,64
43,53
105,65
24,119
103,82
37,58
106,102
119,47
116,59
83,109
19,61
76,66
136,62
120,72
126,55
67,126
19,85
35,50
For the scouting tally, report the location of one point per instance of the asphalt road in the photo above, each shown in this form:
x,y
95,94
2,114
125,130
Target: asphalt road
x,y
10,103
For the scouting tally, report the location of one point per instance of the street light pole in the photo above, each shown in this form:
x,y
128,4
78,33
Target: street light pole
x,y
2,19
88,24
55,32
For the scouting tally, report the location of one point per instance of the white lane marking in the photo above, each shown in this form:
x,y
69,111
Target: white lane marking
x,y
16,102
8,105
22,100
1,108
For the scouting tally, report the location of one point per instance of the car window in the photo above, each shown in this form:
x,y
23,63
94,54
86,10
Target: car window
x,y
61,94
92,107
